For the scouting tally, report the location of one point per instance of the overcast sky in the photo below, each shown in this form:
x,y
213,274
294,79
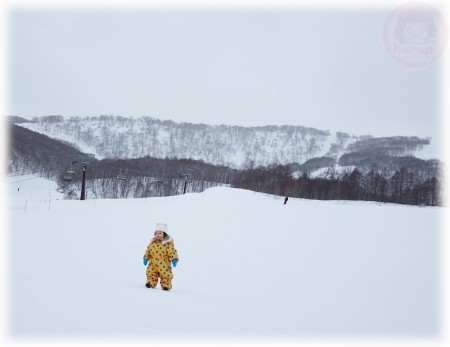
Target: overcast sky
x,y
322,68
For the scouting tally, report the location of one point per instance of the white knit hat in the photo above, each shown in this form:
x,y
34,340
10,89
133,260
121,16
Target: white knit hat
x,y
161,227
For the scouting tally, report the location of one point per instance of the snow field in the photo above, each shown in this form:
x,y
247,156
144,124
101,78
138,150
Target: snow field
x,y
249,267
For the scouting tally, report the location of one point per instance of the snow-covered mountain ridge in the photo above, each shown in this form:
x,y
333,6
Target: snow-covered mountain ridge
x,y
233,146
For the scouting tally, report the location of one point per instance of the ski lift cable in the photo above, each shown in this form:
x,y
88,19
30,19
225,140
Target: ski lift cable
x,y
27,179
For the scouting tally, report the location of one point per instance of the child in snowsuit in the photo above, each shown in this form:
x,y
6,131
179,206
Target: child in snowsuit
x,y
160,252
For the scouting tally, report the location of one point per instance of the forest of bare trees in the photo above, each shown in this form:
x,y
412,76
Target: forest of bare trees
x,y
407,180
409,187
143,177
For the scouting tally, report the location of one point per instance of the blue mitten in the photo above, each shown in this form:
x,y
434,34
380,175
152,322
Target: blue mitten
x,y
174,262
145,261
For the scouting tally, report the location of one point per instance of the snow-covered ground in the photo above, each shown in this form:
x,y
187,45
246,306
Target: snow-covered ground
x,y
249,267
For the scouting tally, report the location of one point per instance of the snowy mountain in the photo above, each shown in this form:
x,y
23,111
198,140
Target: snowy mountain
x,y
250,267
232,146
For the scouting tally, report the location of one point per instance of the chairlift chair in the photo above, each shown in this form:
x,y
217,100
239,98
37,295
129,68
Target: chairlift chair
x,y
122,175
72,170
67,178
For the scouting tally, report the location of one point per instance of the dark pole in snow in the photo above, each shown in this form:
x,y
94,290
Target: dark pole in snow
x,y
185,184
187,174
83,184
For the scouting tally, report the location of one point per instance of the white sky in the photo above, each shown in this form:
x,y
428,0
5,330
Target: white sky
x,y
321,67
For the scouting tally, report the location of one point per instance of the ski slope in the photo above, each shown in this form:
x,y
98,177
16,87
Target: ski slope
x,y
249,267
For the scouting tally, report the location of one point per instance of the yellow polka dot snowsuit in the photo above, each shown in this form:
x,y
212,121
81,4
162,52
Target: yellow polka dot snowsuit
x,y
159,254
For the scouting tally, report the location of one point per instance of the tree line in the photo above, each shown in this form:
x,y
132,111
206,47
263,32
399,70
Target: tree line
x,y
32,153
404,186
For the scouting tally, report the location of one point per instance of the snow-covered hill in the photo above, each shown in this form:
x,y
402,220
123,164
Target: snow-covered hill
x,y
249,266
232,146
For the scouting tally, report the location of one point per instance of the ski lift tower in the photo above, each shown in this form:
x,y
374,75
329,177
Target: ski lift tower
x,y
187,174
159,182
84,159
